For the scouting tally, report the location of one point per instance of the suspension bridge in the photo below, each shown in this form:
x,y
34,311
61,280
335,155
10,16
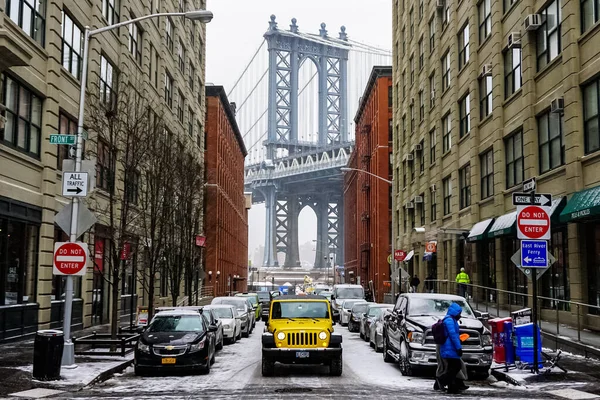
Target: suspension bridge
x,y
295,100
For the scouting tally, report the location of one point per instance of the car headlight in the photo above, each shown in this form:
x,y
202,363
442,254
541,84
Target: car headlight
x,y
322,335
197,347
226,326
281,336
244,317
144,348
486,340
415,337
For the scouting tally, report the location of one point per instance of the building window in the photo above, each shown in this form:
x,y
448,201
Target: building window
x,y
403,128
199,135
110,11
30,15
181,56
446,14
463,46
23,117
403,84
590,13
169,34
421,54
182,6
548,34
180,104
169,89
485,20
446,71
431,92
512,71
190,122
447,194
432,143
390,130
72,45
485,96
404,168
487,174
422,209
411,18
135,42
132,187
514,159
422,157
464,181
105,167
591,116
508,4
192,77
412,69
446,134
200,91
405,219
431,34
66,126
403,41
421,106
551,141
421,9
107,82
433,205
412,119
154,65
155,6
464,111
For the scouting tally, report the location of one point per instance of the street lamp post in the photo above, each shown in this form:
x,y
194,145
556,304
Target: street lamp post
x,y
205,16
346,169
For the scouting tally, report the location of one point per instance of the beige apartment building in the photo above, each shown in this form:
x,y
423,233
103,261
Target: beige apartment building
x,y
40,66
488,94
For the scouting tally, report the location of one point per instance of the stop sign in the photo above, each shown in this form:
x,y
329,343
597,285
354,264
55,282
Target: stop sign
x,y
533,222
70,258
399,255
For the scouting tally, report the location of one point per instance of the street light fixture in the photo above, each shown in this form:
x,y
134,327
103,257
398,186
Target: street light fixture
x,y
391,182
204,16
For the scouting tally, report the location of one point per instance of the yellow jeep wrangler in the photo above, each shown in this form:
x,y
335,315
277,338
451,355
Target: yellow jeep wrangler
x,y
300,331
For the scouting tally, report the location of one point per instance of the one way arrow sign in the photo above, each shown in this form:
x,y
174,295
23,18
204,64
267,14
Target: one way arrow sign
x,y
524,199
75,184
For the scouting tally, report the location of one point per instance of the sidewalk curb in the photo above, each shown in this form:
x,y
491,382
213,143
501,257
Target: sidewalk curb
x,y
106,375
503,376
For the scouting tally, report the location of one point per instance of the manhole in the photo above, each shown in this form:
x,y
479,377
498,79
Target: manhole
x,y
293,390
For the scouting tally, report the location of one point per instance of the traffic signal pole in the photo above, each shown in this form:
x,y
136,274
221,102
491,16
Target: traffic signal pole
x,y
534,310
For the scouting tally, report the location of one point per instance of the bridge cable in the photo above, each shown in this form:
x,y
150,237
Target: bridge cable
x,y
247,66
253,90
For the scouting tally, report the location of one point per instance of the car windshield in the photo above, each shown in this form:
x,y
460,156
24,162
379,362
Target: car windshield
x,y
350,293
376,311
349,303
263,296
177,323
436,307
238,304
359,308
223,312
327,295
300,309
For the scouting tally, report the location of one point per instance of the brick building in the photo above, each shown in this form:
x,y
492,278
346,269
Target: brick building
x,y
225,205
367,200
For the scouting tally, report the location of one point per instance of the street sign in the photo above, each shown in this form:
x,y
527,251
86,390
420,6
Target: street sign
x,y
529,185
534,253
63,139
75,184
200,240
524,199
431,247
86,219
533,222
516,259
399,255
389,259
88,166
70,258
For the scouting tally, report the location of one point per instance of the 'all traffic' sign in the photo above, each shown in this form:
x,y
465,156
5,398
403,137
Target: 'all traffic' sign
x,y
533,222
70,258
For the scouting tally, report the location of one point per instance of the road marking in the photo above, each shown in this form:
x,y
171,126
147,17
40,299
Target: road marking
x,y
37,393
573,394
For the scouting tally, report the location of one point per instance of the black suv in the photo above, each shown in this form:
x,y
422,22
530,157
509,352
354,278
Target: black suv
x,y
408,340
265,300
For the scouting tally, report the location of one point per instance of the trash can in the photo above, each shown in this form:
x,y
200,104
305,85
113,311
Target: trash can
x,y
509,348
524,344
47,354
498,335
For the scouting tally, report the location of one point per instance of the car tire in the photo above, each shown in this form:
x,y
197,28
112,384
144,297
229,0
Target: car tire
x,y
239,336
246,334
206,369
362,336
268,367
479,374
213,358
365,337
139,371
386,356
336,366
219,345
403,360
371,344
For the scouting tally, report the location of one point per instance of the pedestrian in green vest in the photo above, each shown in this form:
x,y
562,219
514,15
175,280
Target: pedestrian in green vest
x,y
463,280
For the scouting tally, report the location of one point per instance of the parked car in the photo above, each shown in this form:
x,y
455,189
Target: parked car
x,y
343,292
408,340
176,339
327,294
346,308
244,310
256,304
265,303
368,319
358,309
213,319
231,321
376,326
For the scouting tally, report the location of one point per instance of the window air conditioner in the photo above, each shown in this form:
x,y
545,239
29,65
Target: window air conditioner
x,y
418,199
439,4
486,70
410,157
557,105
432,188
410,204
419,147
514,40
532,22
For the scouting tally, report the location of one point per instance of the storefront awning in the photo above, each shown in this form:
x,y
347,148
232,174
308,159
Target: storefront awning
x,y
479,230
584,204
558,204
504,225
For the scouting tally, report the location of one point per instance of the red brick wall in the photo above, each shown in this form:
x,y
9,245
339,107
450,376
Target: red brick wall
x,y
226,223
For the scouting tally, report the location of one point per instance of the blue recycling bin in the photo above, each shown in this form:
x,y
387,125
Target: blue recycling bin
x,y
509,348
524,344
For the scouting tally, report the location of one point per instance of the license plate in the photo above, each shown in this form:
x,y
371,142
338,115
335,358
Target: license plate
x,y
302,354
168,360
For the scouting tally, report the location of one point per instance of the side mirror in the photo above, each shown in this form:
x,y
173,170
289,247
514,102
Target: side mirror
x,y
482,316
386,317
212,328
332,297
140,329
365,315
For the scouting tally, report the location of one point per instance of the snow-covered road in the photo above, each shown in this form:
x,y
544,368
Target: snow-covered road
x,y
236,374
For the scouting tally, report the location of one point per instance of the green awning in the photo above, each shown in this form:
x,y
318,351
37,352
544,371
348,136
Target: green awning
x,y
504,225
479,230
584,204
558,204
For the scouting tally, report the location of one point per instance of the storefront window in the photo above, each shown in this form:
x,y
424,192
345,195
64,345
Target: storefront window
x,y
18,261
555,282
593,266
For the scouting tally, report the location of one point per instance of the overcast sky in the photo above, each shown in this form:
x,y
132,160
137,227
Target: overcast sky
x,y
236,32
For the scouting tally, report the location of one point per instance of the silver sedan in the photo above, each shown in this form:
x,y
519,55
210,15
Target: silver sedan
x,y
376,326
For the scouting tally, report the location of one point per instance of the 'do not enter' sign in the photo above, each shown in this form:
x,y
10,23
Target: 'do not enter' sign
x,y
70,258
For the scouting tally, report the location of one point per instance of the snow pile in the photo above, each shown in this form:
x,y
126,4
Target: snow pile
x,y
82,375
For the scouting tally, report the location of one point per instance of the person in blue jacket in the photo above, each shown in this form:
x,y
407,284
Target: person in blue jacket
x,y
451,350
